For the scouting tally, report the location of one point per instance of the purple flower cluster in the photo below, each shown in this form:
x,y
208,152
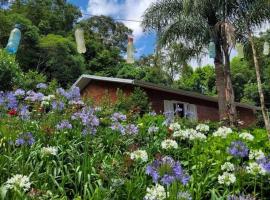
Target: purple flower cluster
x,y
19,92
238,149
265,163
24,113
88,119
72,95
169,118
64,125
8,100
25,139
34,96
131,129
167,171
42,86
58,105
118,117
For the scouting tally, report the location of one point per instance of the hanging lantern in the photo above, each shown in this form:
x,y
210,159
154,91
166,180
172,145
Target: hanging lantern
x,y
240,50
79,37
266,48
212,50
14,40
130,50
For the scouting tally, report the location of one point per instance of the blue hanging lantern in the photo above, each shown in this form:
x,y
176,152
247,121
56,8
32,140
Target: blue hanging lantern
x,y
14,40
212,50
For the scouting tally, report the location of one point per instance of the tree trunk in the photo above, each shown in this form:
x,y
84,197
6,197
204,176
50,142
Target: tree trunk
x,y
220,83
229,92
259,82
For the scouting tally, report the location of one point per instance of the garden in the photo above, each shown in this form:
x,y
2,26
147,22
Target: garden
x,y
54,145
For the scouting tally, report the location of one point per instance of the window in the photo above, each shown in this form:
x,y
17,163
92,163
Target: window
x,y
181,109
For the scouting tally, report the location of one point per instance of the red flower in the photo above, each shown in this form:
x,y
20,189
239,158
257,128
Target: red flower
x,y
12,112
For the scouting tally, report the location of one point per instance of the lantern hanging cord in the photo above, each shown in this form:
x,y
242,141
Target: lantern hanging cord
x,y
116,19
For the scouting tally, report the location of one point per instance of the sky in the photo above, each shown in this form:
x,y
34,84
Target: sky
x,y
132,10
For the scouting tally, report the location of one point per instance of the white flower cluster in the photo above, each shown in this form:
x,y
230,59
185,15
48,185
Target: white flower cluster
x,y
153,129
156,192
256,155
254,169
49,151
139,155
190,134
202,127
175,127
226,178
227,166
18,181
222,132
246,136
46,100
169,144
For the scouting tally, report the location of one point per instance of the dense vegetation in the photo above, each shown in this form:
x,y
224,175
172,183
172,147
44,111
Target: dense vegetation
x,y
55,146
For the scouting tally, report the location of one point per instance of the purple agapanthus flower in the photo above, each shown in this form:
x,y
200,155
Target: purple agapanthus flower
x,y
25,139
11,100
166,171
72,95
19,92
131,129
116,126
34,96
64,125
58,105
117,117
238,149
42,86
169,118
264,163
241,197
24,113
88,118
2,98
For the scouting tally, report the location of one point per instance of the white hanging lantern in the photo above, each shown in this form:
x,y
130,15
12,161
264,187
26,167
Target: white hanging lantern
x,y
79,37
240,50
130,50
266,48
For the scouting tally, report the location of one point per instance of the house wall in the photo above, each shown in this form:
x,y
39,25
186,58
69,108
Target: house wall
x,y
206,110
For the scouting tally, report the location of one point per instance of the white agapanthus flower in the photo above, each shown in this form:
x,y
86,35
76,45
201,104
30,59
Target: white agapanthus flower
x,y
48,98
226,178
169,144
202,127
156,192
18,181
227,166
49,151
254,169
139,155
222,132
256,155
196,135
175,126
182,134
246,136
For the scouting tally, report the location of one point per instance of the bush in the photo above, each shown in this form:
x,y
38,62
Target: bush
x,y
10,72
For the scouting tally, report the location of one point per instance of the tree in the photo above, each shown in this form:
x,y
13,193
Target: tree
x,y
248,16
62,62
196,23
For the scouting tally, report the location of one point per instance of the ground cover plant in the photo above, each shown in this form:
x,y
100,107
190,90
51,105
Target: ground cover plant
x,y
56,146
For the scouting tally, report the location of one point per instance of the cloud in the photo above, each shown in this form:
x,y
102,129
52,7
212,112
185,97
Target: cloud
x,y
124,9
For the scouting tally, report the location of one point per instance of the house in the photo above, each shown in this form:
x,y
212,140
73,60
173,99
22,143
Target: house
x,y
163,99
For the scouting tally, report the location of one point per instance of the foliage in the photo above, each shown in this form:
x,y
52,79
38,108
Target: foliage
x,y
10,73
70,160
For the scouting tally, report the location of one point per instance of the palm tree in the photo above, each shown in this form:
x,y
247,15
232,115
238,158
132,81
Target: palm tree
x,y
195,23
250,14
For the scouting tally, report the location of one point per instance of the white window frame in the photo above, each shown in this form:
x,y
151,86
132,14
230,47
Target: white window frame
x,y
168,107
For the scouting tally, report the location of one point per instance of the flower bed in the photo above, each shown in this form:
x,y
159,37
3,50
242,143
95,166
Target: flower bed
x,y
58,147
